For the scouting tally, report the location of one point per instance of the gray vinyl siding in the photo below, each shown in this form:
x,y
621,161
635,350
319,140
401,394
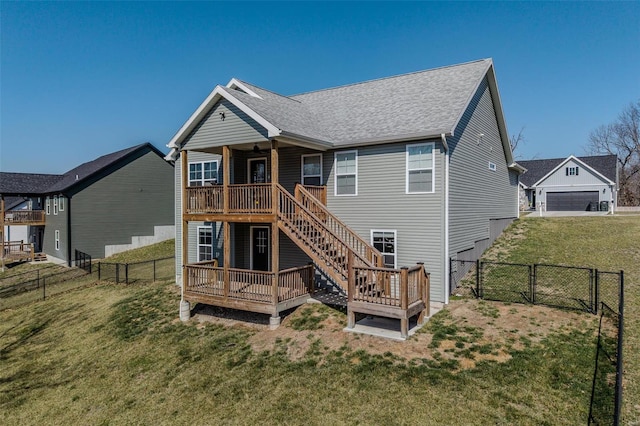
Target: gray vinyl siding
x,y
53,223
237,127
192,156
476,193
585,177
126,202
382,204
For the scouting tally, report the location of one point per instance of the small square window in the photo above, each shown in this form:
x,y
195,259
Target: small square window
x,y
492,166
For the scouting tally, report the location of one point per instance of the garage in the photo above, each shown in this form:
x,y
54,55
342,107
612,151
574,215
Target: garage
x,y
571,201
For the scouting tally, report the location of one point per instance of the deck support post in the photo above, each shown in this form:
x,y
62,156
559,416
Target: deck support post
x,y
184,175
404,301
422,291
351,290
226,226
275,234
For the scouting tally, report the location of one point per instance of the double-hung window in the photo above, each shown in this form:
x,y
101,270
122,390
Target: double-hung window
x,y
346,167
385,242
205,243
420,168
61,203
203,173
312,169
55,204
57,239
47,203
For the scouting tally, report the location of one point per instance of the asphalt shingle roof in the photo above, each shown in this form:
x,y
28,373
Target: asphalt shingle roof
x,y
537,169
33,183
90,168
26,183
421,103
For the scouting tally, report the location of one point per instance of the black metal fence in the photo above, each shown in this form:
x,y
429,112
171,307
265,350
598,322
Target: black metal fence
x,y
606,401
567,287
129,273
561,286
38,287
82,261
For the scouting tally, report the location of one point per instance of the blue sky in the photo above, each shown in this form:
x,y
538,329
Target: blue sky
x,y
79,80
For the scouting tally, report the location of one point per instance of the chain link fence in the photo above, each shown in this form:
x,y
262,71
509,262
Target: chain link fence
x,y
40,284
566,287
130,273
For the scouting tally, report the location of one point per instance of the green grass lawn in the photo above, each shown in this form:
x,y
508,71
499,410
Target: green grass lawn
x,y
116,354
607,243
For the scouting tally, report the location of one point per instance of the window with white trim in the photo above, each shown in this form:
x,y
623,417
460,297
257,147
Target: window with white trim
x,y
385,242
61,203
492,166
420,168
57,239
203,173
346,169
571,171
312,169
47,204
55,204
205,243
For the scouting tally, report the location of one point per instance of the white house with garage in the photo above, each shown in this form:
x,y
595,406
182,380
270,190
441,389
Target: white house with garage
x,y
571,184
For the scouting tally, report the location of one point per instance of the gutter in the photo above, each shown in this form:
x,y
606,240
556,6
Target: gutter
x,y
447,272
68,231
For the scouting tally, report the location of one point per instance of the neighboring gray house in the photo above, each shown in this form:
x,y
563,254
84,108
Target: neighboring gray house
x,y
571,184
418,168
114,203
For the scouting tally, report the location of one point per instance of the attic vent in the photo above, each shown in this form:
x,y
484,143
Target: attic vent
x,y
77,177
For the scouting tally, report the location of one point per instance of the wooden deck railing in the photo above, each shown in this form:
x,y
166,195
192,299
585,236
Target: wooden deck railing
x,y
353,240
319,242
389,287
243,199
15,250
204,199
319,192
248,285
24,217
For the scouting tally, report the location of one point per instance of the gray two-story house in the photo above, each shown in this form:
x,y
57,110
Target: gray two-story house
x,y
114,203
357,181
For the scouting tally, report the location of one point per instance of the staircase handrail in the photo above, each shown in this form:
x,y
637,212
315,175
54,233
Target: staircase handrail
x,y
353,240
318,224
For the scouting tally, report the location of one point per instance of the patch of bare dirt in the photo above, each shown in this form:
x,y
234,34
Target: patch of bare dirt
x,y
467,330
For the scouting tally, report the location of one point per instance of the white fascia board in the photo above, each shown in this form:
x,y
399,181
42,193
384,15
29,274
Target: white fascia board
x,y
195,118
218,93
272,131
304,141
237,84
517,167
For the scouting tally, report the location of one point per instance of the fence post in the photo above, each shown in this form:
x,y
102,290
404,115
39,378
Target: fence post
x,y
99,277
618,393
535,283
595,290
154,270
531,289
126,273
117,273
478,278
44,288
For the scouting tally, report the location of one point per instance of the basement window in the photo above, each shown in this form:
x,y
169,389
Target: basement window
x,y
385,242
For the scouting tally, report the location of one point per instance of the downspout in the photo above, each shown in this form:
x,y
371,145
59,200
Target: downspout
x,y
446,220
68,231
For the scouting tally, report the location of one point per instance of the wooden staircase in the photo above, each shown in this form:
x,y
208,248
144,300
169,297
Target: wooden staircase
x,y
322,236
